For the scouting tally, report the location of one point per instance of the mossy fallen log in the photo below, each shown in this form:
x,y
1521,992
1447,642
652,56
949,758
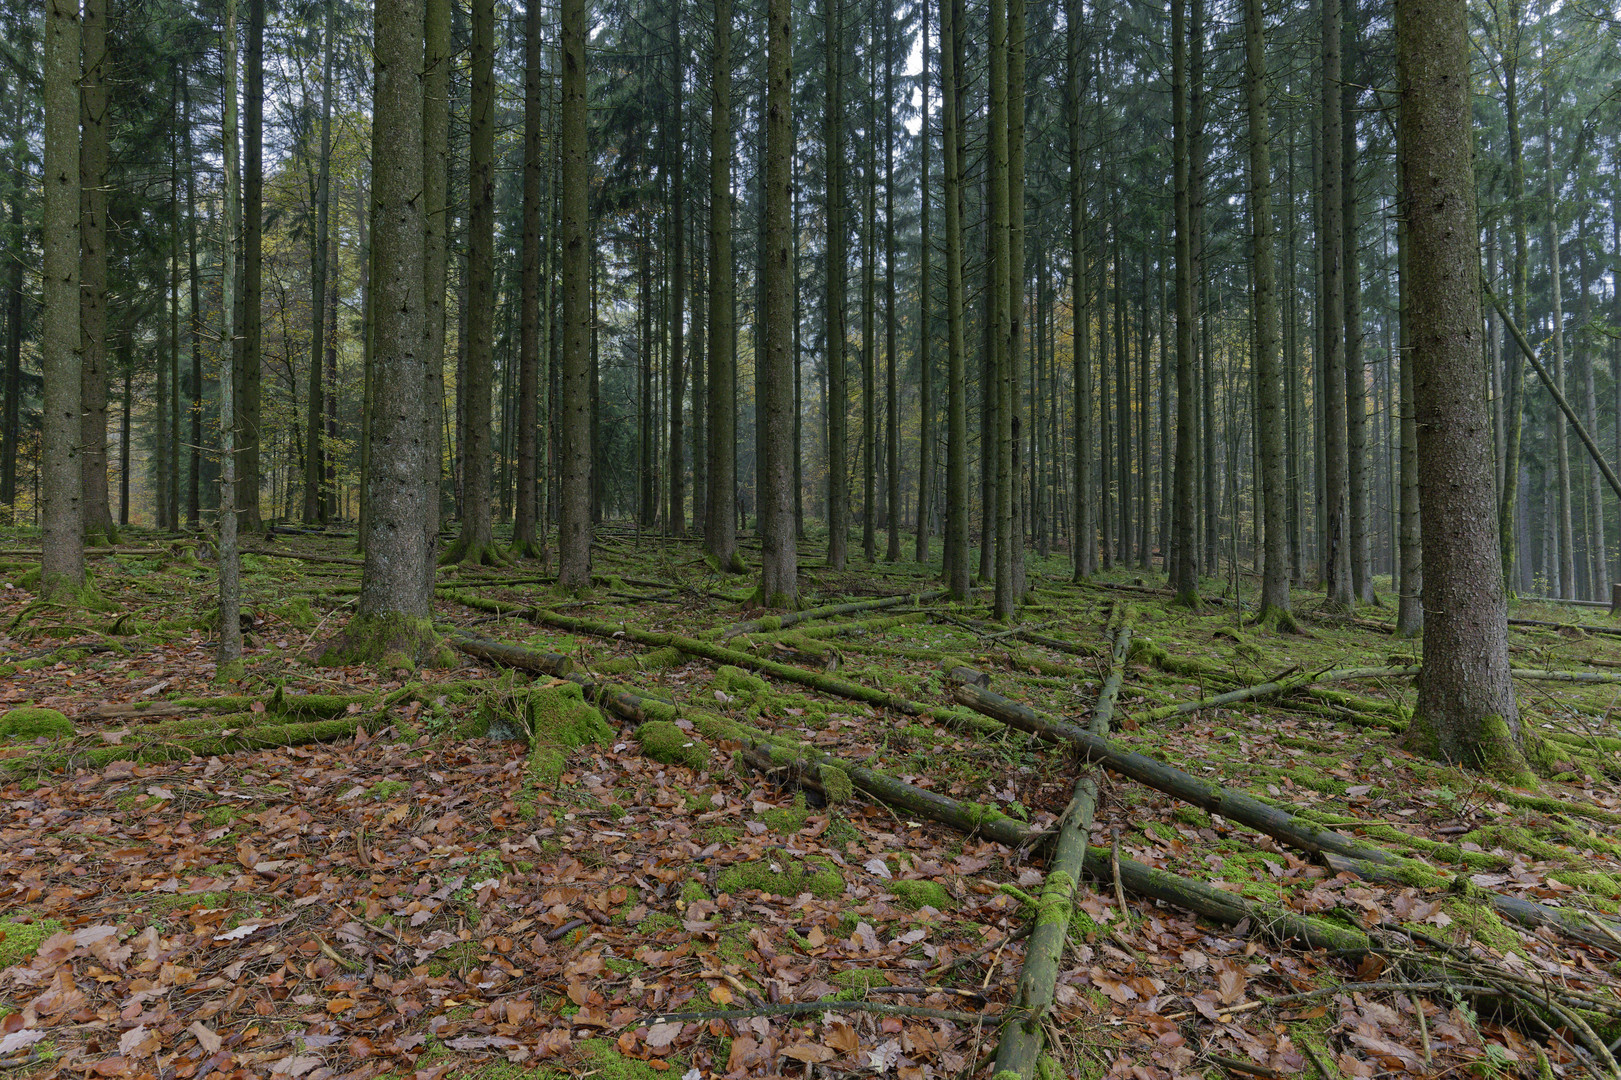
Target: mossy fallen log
x,y
782,622
1023,1038
1276,687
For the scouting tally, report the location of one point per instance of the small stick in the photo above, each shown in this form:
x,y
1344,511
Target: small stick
x,y
801,1008
1242,1066
1317,1062
1423,1028
572,924
1114,872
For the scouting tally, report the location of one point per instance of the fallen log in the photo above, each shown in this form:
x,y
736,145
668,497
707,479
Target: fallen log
x,y
1278,686
1584,627
636,708
1024,1037
793,618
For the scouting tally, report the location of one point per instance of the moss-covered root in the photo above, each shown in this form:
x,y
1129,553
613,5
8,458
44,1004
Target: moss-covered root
x,y
465,551
390,641
663,741
1487,746
32,723
559,720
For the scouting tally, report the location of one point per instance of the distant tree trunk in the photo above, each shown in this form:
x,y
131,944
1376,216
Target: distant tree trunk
x,y
698,260
1001,445
230,589
195,323
1269,418
525,541
249,376
892,413
720,529
394,612
1207,449
1015,275
838,481
1584,368
1466,707
1185,571
437,62
98,520
1514,377
1356,421
1561,432
62,569
925,333
11,408
869,306
574,532
1082,529
779,562
314,451
475,545
956,538
676,314
1410,605
1337,563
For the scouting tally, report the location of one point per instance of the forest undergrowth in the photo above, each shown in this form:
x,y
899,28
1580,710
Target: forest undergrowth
x,y
654,831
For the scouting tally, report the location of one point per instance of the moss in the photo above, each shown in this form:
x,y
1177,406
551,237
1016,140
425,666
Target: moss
x,y
1592,882
923,893
860,979
1513,838
559,715
734,680
20,940
663,741
789,819
390,641
836,784
386,789
458,958
32,723
783,876
1476,919
656,922
622,966
608,1063
692,893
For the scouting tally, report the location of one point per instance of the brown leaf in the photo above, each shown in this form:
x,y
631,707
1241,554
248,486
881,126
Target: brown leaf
x,y
208,1040
809,1053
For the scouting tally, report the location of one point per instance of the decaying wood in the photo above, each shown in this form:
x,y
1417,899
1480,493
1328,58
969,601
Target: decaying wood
x,y
1023,1037
1278,686
793,618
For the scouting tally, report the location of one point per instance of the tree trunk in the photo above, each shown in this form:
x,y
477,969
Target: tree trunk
x,y
892,405
62,569
436,110
1185,573
315,452
230,590
676,314
1514,380
394,610
1014,270
249,352
925,339
1410,606
1336,468
1466,706
779,560
1000,361
720,530
1597,586
1561,433
838,482
98,521
574,529
11,407
475,545
1082,527
869,306
1269,419
956,538
525,539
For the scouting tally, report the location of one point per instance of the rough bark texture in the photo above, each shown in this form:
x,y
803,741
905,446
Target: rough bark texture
x,y
779,559
956,539
436,57
230,589
1082,546
525,539
925,341
62,571
314,456
98,520
838,480
1269,417
574,528
394,607
1185,571
1000,450
1336,555
720,529
1356,419
1466,707
1410,605
250,332
1514,375
678,282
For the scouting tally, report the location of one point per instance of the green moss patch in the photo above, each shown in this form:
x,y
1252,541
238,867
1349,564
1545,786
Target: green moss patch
x,y
19,940
923,893
783,876
663,741
33,723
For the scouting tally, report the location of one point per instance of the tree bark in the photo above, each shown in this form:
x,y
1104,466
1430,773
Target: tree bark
x,y
1356,420
230,589
779,559
838,481
1466,706
574,529
956,538
1185,574
314,451
925,338
62,569
720,530
1331,248
525,536
98,520
250,350
1410,605
1269,419
676,314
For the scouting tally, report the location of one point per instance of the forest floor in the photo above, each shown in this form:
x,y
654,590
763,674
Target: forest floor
x,y
461,871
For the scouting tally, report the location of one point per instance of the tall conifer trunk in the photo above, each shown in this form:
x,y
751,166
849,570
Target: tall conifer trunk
x,y
98,521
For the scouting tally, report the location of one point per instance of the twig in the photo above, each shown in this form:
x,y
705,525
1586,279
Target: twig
x,y
1114,872
572,924
1241,1066
1423,1027
1317,1062
802,1008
